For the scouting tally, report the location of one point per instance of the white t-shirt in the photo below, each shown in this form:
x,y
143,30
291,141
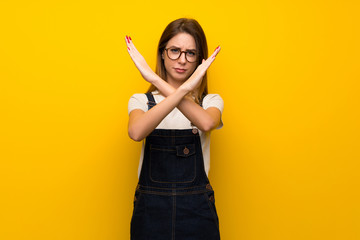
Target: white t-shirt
x,y
176,120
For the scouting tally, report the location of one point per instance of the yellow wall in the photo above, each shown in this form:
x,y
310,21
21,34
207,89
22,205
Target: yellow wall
x,y
284,167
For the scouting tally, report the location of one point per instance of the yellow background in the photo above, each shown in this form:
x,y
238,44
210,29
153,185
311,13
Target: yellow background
x,y
285,166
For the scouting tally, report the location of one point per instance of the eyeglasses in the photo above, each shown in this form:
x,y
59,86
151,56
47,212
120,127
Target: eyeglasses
x,y
175,53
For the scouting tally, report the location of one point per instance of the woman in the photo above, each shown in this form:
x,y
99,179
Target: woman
x,y
174,198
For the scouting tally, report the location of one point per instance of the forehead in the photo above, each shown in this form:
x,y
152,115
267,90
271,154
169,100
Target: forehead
x,y
183,41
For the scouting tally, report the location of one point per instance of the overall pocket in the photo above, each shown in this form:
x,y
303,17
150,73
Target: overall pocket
x,y
173,164
137,197
210,199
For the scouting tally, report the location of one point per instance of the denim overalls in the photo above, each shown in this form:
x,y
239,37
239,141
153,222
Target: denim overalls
x,y
173,199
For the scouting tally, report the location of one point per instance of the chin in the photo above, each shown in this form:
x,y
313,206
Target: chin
x,y
179,78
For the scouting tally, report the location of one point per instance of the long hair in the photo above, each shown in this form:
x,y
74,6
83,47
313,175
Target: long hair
x,y
192,27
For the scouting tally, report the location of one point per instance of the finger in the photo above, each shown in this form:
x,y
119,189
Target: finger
x,y
131,47
217,50
127,43
209,61
127,39
131,44
212,57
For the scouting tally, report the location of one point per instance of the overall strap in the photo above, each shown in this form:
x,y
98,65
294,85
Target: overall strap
x,y
151,100
201,100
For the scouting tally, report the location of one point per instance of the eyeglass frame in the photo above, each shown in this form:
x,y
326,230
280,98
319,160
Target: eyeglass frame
x,y
181,52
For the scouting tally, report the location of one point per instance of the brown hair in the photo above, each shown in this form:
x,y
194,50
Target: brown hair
x,y
192,27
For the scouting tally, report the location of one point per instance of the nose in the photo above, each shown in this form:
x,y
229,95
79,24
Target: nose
x,y
182,58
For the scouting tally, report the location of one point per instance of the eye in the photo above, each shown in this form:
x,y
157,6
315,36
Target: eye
x,y
190,53
174,50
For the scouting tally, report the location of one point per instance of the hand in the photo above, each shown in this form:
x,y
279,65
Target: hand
x,y
147,73
195,79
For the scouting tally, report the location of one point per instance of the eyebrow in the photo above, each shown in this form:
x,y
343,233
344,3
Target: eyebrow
x,y
180,48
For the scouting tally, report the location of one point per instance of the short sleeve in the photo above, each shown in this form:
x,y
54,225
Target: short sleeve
x,y
214,100
137,101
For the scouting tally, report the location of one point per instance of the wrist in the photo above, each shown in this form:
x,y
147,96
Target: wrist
x,y
154,80
184,89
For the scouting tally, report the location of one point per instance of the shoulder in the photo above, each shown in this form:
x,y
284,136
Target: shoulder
x,y
138,96
138,101
213,100
213,97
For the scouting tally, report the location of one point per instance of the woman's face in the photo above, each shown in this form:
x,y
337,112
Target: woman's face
x,y
179,70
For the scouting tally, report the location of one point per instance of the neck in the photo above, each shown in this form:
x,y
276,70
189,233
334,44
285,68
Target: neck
x,y
174,83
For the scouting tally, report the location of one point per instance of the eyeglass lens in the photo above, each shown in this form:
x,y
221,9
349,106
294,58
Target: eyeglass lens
x,y
174,53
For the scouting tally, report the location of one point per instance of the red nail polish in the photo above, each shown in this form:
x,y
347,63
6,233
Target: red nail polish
x,y
130,38
128,48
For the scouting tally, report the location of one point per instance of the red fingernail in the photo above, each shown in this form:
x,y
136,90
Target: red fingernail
x,y
128,48
130,38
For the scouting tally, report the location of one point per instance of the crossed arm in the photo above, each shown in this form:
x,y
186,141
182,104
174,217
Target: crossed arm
x,y
143,123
